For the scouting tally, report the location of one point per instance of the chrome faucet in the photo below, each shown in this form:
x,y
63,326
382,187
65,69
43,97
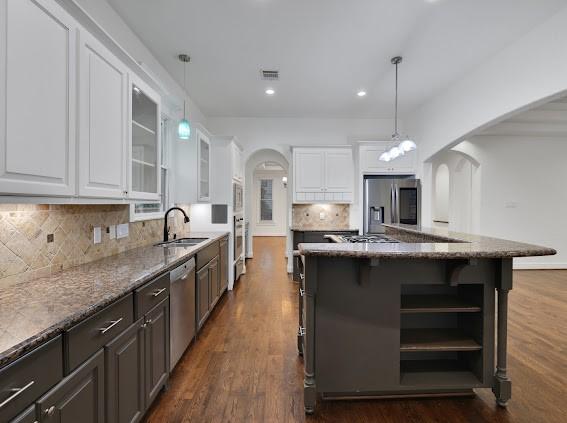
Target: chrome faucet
x,y
165,228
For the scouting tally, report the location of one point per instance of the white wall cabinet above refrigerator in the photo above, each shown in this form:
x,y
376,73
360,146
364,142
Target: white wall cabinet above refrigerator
x,y
37,99
103,128
369,162
323,175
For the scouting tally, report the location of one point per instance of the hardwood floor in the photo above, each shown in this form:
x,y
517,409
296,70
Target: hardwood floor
x,y
244,366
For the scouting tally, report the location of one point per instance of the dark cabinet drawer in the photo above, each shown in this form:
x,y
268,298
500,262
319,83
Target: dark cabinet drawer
x,y
151,294
77,398
27,416
87,337
24,380
207,254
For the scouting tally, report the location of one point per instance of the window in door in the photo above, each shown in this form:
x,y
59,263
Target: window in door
x,y
266,201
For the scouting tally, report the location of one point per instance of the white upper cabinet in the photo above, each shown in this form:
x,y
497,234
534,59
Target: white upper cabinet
x,y
237,167
369,162
145,141
37,99
103,121
204,167
323,175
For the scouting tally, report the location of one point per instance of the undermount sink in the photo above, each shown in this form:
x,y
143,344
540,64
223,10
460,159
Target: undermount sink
x,y
181,242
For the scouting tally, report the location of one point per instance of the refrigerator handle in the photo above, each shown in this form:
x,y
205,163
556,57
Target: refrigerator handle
x,y
392,205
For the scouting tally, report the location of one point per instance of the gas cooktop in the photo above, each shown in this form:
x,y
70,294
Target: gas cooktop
x,y
368,239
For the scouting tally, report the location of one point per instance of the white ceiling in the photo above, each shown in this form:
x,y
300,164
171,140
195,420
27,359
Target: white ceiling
x,y
325,50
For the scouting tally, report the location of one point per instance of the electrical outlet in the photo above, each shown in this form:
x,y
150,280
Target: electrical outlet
x,y
111,230
122,230
322,216
97,235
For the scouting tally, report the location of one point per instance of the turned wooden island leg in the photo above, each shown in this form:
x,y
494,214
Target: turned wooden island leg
x,y
502,386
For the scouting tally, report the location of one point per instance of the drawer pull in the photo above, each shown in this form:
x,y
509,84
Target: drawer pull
x,y
112,324
16,393
301,331
301,292
301,276
49,412
159,291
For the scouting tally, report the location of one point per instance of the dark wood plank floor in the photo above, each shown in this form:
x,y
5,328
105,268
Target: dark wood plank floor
x,y
244,366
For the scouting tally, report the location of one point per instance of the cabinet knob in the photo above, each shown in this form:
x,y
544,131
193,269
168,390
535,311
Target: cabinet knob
x,y
49,412
149,321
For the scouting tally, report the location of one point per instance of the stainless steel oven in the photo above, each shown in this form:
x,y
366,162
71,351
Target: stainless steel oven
x,y
237,197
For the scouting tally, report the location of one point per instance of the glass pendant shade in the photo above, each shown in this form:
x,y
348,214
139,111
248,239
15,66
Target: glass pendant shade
x,y
394,152
385,157
407,145
184,129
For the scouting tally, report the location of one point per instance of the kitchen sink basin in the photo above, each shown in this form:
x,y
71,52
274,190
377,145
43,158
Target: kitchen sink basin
x,y
181,242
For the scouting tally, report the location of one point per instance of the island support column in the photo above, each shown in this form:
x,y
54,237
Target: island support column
x,y
309,384
502,386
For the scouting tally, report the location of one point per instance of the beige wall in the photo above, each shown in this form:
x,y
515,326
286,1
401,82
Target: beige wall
x,y
25,252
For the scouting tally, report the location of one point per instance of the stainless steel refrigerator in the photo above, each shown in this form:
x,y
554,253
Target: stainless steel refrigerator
x,y
391,199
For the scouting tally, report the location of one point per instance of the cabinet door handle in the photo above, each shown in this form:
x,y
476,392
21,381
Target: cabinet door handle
x,y
49,411
159,291
301,292
149,321
301,276
16,393
301,331
112,324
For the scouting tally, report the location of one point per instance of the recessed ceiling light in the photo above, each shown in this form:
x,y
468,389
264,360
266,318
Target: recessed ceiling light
x,y
361,93
270,91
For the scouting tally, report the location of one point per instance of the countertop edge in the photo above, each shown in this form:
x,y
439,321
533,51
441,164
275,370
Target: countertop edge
x,y
12,354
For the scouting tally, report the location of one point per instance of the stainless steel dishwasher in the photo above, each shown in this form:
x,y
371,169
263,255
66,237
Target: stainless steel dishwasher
x,y
182,309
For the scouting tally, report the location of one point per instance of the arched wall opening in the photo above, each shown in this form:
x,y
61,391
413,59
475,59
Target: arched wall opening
x,y
267,164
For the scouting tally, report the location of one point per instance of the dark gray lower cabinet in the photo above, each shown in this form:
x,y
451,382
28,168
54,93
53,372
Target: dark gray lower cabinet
x,y
214,283
223,257
124,373
156,350
27,416
77,398
202,296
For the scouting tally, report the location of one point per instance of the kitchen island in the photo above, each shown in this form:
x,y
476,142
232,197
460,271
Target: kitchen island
x,y
409,318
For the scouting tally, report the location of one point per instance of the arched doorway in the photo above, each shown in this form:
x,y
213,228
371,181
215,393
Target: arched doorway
x,y
267,197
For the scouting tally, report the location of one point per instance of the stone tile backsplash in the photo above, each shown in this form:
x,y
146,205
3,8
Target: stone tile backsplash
x,y
308,216
25,252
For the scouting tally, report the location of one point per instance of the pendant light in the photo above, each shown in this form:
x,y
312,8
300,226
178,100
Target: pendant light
x,y
400,145
184,129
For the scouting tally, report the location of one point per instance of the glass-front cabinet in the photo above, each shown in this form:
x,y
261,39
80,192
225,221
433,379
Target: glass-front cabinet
x,y
204,173
145,141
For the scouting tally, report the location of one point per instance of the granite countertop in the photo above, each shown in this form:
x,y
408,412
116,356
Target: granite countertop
x,y
34,311
304,228
431,243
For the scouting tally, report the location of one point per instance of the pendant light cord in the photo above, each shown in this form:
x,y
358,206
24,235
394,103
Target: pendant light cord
x,y
185,86
396,105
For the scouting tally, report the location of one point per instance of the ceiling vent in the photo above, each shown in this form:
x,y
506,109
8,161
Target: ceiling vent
x,y
270,75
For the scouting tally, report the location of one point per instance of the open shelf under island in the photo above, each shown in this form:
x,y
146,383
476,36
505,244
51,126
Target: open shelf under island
x,y
414,318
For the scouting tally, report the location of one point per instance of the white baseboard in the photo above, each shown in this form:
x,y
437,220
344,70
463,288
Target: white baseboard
x,y
540,266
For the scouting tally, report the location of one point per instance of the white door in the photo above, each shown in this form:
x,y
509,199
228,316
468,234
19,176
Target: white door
x,y
308,169
37,98
270,204
103,121
339,171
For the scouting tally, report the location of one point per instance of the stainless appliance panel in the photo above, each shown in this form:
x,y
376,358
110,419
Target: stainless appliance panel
x,y
377,204
390,200
238,236
182,323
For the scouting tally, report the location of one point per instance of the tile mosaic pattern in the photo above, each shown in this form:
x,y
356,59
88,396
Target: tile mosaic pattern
x,y
25,252
306,216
